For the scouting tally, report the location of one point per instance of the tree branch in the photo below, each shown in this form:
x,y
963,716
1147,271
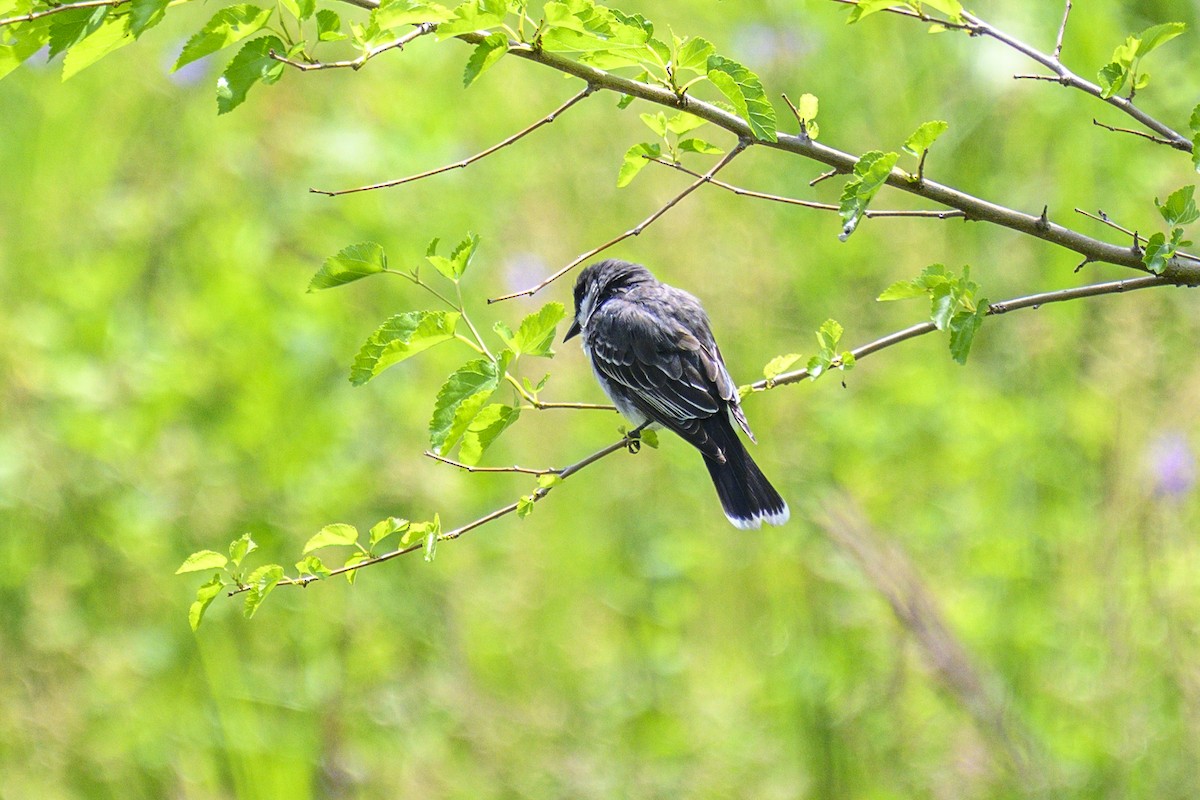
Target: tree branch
x,y
471,468
743,143
995,309
1144,135
546,120
869,214
974,208
1062,29
32,15
623,443
977,27
357,63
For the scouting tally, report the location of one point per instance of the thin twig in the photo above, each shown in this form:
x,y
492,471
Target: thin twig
x,y
905,12
32,15
1137,238
541,405
824,176
546,120
622,444
1062,29
977,27
357,63
742,144
994,309
792,201
1143,134
1104,218
471,468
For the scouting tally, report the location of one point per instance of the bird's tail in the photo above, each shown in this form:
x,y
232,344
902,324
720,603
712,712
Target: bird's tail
x,y
747,496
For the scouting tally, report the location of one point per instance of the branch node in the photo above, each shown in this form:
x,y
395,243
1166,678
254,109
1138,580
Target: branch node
x,y
1043,222
824,176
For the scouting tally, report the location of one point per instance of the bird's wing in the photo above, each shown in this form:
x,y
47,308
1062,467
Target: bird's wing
x,y
674,376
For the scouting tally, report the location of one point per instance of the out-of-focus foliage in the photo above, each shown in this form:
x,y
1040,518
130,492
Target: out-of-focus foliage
x,y
168,384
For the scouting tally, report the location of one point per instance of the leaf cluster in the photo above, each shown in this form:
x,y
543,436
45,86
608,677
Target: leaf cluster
x,y
954,304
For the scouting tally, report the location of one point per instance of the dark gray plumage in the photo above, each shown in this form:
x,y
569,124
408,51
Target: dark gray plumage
x,y
654,355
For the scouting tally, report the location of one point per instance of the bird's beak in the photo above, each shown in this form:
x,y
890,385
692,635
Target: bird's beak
x,y
572,331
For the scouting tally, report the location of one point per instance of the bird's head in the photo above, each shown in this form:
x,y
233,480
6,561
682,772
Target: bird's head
x,y
600,281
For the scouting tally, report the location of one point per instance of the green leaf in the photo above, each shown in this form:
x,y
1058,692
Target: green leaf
x,y
870,174
693,56
525,506
261,582
339,533
1154,37
452,268
828,336
145,14
228,26
487,426
1194,121
350,264
684,122
924,136
28,39
357,557
111,35
202,560
311,565
902,290
951,8
1180,208
300,9
808,107
459,401
473,15
241,547
1111,78
68,28
649,438
535,336
656,122
745,91
779,365
963,327
385,528
486,53
636,158
1159,251
549,480
402,337
699,146
395,13
204,597
329,26
865,8
252,64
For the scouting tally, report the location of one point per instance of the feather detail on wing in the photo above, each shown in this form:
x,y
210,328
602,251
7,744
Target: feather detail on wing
x,y
676,377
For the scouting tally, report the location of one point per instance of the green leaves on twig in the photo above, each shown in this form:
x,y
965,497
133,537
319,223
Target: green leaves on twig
x,y
829,337
1125,66
954,305
870,174
951,9
671,130
1178,210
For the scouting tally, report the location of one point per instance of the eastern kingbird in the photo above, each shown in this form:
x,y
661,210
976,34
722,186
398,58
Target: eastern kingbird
x,y
653,352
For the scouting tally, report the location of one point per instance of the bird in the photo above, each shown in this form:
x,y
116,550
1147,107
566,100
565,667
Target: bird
x,y
652,350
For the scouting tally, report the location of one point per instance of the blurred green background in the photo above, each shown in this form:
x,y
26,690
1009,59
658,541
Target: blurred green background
x,y
166,384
